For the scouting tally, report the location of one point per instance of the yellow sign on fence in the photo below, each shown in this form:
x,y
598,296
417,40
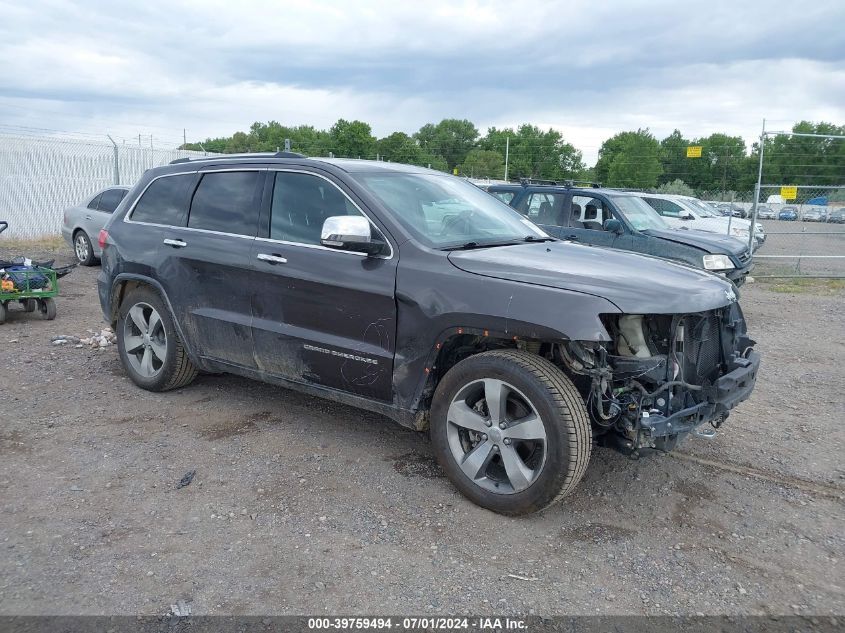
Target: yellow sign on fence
x,y
789,193
694,151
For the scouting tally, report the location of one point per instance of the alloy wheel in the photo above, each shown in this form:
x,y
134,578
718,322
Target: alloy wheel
x,y
145,340
81,247
496,436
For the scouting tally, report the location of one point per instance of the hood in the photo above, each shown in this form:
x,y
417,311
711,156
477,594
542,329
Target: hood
x,y
636,284
708,242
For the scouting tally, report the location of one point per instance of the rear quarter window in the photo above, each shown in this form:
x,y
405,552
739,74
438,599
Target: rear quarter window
x,y
164,201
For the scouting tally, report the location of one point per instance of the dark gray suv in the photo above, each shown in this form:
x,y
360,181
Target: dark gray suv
x,y
414,294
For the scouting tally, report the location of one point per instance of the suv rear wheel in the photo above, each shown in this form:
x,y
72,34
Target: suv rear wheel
x,y
511,431
149,345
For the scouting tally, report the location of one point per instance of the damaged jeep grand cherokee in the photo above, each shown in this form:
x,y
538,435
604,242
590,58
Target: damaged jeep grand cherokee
x,y
414,294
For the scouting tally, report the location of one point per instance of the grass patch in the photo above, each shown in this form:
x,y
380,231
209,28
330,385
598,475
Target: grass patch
x,y
803,285
24,245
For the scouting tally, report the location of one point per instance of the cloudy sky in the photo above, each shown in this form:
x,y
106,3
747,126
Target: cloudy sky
x,y
587,68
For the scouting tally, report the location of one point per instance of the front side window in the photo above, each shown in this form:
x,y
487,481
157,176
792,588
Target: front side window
x,y
164,201
443,211
301,203
590,211
666,208
226,202
110,199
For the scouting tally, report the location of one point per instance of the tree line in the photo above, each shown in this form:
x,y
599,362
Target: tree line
x,y
633,159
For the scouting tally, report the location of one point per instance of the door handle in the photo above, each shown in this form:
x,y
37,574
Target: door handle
x,y
87,217
574,238
175,243
272,259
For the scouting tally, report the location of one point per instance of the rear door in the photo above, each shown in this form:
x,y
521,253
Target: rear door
x,y
546,208
207,265
321,316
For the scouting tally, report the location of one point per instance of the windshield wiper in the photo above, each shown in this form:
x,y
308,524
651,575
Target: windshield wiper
x,y
534,238
471,245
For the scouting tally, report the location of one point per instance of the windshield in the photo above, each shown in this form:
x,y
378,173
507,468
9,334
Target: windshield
x,y
702,208
444,211
639,213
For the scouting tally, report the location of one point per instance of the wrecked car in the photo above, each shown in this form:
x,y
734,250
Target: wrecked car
x,y
414,294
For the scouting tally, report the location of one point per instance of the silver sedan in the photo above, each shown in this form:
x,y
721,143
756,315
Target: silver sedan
x,y
82,223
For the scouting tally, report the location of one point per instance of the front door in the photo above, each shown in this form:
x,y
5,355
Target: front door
x,y
321,316
586,224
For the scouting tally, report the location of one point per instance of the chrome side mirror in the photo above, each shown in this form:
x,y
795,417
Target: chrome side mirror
x,y
350,233
686,215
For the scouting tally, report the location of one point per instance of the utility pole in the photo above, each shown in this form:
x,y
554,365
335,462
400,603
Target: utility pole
x,y
507,152
184,138
139,140
725,175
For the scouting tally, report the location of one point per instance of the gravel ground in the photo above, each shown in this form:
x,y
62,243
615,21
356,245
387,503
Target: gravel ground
x,y
301,506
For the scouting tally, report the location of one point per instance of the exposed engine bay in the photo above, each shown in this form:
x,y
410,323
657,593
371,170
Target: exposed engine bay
x,y
662,376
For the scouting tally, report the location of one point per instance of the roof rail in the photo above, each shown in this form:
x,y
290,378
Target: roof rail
x,y
241,155
536,181
563,183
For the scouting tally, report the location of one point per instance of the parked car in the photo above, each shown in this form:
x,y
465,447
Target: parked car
x,y
415,294
605,217
815,214
729,208
788,213
686,211
82,223
837,217
765,212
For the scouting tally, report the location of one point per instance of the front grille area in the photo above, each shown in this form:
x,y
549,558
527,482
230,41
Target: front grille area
x,y
701,347
744,256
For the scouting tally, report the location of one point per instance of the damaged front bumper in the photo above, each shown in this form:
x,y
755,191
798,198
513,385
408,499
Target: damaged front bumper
x,y
727,392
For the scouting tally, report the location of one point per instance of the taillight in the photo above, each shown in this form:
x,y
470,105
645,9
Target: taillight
x,y
103,237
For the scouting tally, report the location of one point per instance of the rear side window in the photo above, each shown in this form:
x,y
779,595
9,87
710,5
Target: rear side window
x,y
544,208
226,202
164,200
93,204
504,196
110,199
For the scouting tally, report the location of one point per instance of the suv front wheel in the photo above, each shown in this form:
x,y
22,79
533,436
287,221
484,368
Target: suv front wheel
x,y
149,345
510,430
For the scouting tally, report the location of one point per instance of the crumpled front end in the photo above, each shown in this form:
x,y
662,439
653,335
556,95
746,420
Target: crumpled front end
x,y
664,376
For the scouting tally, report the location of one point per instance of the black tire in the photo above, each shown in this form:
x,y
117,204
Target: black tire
x,y
84,251
48,308
177,370
568,441
2,313
29,305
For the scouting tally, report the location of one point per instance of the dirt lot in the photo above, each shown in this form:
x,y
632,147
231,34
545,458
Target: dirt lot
x,y
304,506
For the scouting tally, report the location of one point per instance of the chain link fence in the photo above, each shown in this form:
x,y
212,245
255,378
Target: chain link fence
x,y
40,176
